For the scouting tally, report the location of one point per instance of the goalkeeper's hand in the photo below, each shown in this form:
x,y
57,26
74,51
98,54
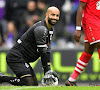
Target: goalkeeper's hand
x,y
50,78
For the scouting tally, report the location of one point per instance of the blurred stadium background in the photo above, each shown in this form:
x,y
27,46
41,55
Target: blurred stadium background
x,y
16,16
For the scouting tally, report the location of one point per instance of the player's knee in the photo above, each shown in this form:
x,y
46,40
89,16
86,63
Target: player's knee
x,y
35,81
27,81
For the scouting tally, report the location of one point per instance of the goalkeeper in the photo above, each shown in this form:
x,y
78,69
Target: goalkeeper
x,y
34,43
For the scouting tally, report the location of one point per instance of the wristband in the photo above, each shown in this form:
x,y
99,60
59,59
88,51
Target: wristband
x,y
78,27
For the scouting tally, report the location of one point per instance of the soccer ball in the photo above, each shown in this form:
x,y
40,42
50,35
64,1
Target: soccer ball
x,y
50,79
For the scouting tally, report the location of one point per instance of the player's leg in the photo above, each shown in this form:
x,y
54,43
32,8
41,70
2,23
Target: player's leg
x,y
81,64
99,54
98,49
95,36
23,73
17,81
4,78
33,76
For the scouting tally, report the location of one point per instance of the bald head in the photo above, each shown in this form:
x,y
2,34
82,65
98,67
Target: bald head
x,y
53,8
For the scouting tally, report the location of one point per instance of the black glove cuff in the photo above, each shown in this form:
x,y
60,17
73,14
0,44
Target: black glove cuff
x,y
46,68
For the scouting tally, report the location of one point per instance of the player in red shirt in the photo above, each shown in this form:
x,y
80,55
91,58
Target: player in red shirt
x,y
89,13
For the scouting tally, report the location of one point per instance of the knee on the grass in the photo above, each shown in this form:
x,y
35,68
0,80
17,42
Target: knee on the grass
x,y
28,81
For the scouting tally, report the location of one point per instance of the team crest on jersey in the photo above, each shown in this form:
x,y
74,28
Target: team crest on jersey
x,y
98,5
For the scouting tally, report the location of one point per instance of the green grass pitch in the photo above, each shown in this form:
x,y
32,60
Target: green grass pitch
x,y
49,88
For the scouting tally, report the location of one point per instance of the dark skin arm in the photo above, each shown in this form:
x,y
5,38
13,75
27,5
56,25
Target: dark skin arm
x,y
77,33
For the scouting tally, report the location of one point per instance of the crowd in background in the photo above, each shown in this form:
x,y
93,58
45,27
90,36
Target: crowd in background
x,y
17,16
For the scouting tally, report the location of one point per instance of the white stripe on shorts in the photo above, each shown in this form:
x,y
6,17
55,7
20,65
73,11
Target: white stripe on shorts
x,y
94,42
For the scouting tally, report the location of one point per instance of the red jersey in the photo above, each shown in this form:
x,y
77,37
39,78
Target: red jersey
x,y
91,13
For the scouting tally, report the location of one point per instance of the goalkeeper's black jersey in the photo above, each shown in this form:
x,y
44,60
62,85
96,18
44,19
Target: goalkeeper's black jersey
x,y
38,36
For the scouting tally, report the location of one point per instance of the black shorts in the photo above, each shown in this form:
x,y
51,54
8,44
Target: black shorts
x,y
18,65
20,69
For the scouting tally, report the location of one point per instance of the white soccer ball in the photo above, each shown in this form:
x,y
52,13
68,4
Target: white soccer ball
x,y
49,80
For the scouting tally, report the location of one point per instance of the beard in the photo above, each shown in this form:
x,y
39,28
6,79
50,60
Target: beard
x,y
52,23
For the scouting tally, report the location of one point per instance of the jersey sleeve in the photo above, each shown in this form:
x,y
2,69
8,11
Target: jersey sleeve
x,y
84,1
40,36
